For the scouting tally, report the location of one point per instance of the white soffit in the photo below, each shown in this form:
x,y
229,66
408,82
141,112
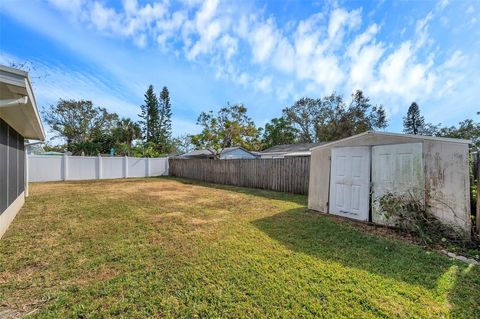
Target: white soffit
x,y
17,104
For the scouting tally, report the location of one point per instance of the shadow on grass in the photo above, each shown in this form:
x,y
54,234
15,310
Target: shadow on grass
x,y
298,199
311,233
465,294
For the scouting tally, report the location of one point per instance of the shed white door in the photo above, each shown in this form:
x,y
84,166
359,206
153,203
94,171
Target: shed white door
x,y
350,182
396,169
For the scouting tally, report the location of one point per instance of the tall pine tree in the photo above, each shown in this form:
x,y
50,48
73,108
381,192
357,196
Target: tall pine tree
x,y
150,116
413,123
165,121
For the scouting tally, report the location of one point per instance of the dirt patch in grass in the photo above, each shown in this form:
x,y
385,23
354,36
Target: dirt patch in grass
x,y
163,247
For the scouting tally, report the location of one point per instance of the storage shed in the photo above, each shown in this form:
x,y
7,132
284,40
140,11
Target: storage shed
x,y
348,175
19,120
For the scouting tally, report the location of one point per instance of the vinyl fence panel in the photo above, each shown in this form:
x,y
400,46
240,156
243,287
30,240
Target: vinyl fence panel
x,y
57,168
80,168
290,174
45,168
112,167
137,167
158,166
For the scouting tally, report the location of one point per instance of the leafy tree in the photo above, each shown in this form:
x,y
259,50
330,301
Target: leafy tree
x,y
79,121
331,118
147,149
126,131
150,120
182,144
231,126
165,121
278,131
48,147
467,129
303,114
413,123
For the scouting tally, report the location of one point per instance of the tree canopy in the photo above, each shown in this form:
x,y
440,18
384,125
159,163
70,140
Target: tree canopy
x,y
149,114
278,131
230,126
413,122
165,121
331,118
79,121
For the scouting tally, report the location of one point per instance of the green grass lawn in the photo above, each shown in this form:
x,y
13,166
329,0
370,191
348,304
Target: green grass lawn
x,y
171,248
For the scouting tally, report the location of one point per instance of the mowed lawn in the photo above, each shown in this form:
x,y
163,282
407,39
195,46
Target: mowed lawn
x,y
163,247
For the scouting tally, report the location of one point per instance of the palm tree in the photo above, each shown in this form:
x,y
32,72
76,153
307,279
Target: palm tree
x,y
127,131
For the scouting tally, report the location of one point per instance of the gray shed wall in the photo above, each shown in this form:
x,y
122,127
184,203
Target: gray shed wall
x,y
446,175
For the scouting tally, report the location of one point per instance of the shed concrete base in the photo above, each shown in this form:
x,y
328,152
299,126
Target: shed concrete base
x,y
9,214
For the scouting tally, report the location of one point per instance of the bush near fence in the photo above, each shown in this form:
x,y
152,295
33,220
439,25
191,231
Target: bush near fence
x,y
289,175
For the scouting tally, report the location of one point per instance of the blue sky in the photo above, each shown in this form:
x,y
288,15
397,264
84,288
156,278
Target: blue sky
x,y
263,54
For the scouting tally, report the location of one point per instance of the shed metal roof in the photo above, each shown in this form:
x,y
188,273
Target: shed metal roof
x,y
413,137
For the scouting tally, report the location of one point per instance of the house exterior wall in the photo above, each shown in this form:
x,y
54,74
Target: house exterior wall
x,y
446,172
12,173
237,154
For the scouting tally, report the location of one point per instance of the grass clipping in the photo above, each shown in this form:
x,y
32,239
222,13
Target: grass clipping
x,y
409,214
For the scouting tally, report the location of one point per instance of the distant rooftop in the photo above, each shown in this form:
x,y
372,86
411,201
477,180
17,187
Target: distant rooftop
x,y
288,148
208,152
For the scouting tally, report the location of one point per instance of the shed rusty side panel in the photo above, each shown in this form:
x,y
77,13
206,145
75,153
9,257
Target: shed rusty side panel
x,y
447,182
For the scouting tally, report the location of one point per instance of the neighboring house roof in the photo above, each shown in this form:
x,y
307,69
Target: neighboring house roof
x,y
52,153
17,103
230,149
211,153
291,149
199,153
380,134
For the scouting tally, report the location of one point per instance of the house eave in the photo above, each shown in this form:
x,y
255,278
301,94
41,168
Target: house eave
x,y
18,107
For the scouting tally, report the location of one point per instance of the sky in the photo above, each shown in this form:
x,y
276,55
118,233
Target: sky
x,y
264,54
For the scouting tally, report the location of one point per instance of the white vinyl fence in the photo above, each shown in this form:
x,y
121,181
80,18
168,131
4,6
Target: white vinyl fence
x,y
64,168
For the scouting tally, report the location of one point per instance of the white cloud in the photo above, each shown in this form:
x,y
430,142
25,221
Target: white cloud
x,y
421,31
323,52
104,19
364,57
71,6
263,40
264,84
341,19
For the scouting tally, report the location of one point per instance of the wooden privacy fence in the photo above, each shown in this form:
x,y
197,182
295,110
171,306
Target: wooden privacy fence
x,y
289,175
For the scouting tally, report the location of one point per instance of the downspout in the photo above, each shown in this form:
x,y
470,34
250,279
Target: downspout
x,y
26,164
